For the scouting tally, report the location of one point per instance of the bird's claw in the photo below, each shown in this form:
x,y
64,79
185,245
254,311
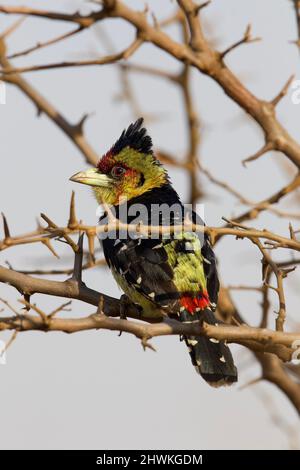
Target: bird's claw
x,y
124,302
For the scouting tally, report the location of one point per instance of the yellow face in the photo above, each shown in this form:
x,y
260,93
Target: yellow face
x,y
123,176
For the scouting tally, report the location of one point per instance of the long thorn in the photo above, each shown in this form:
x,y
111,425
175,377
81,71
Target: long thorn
x,y
73,222
5,226
77,271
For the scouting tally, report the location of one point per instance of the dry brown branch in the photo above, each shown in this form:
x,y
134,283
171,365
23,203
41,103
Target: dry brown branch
x,y
74,288
257,207
267,203
273,371
192,120
109,59
66,271
147,70
267,340
41,45
272,368
52,227
279,274
297,15
246,39
272,239
12,28
73,131
195,51
84,21
200,55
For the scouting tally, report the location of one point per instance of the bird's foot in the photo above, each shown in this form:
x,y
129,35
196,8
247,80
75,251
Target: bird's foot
x,y
124,303
171,321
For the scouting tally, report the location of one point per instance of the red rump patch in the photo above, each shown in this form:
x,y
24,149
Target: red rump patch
x,y
191,303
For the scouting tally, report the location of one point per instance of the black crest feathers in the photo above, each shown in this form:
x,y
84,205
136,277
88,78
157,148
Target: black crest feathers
x,y
135,137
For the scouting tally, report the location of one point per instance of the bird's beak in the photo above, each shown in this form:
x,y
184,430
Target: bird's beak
x,y
92,177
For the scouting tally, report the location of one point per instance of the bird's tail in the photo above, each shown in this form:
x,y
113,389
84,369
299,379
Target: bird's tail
x,y
211,358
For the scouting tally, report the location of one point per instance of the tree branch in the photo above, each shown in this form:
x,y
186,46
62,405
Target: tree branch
x,y
260,339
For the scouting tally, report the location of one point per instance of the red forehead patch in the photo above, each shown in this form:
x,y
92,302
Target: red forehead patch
x,y
106,163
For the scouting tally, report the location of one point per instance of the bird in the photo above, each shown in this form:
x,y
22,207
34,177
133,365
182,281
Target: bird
x,y
170,274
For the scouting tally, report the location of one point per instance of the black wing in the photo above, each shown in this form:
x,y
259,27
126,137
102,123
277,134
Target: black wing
x,y
210,263
143,263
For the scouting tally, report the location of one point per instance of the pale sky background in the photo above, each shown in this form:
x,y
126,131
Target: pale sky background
x,y
94,389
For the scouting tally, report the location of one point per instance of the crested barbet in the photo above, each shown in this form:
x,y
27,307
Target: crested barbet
x,y
173,275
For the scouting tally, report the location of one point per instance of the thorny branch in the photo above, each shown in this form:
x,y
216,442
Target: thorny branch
x,y
270,347
75,286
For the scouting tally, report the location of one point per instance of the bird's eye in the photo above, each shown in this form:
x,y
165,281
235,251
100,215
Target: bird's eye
x,y
117,171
